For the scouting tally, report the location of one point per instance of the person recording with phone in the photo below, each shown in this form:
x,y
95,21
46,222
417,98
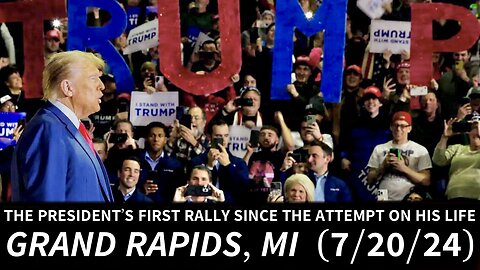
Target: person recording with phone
x,y
454,84
187,139
400,163
150,81
209,60
199,188
328,187
464,161
120,144
469,109
243,110
230,173
296,161
298,189
264,164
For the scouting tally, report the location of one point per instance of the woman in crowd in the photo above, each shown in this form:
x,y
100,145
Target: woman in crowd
x,y
298,189
464,161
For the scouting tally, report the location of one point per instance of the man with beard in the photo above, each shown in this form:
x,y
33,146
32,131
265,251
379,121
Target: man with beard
x,y
454,84
264,165
189,142
247,115
161,173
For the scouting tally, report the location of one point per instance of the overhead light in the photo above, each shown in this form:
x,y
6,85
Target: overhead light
x,y
56,23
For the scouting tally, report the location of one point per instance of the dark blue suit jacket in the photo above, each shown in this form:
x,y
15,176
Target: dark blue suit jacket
x,y
137,197
233,178
169,174
336,190
53,163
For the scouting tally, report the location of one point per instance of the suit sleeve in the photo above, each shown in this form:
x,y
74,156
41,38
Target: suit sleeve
x,y
43,163
345,193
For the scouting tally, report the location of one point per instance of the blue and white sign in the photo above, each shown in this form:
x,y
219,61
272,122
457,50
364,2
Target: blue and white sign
x,y
389,35
146,108
8,122
142,37
238,140
133,13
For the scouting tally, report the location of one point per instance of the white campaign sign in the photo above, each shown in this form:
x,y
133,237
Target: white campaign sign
x,y
146,108
373,8
239,137
200,40
389,35
142,37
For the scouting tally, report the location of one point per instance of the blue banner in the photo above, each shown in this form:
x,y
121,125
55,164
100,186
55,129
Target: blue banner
x,y
8,122
331,17
81,37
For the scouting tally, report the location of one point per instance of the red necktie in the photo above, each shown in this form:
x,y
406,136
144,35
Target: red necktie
x,y
85,135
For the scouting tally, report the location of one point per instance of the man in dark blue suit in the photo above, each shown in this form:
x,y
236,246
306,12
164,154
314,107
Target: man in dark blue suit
x,y
161,173
54,160
128,175
328,188
230,173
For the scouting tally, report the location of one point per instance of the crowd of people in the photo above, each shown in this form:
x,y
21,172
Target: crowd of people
x,y
380,142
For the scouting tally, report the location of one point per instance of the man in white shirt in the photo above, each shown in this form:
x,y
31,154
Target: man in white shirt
x,y
399,164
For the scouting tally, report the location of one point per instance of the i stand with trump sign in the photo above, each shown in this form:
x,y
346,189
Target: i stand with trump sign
x,y
146,108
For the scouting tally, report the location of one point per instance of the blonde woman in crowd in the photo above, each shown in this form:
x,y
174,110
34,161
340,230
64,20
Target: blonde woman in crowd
x,y
298,189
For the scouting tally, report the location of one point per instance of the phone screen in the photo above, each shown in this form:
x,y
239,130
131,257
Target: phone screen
x,y
396,152
461,127
458,64
297,157
186,120
216,142
310,119
152,79
276,189
254,137
21,122
465,100
198,191
180,112
158,81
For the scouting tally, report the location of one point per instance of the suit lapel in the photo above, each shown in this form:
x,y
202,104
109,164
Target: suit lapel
x,y
99,169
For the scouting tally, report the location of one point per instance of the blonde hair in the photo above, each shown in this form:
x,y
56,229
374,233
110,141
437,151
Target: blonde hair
x,y
305,182
147,65
59,67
